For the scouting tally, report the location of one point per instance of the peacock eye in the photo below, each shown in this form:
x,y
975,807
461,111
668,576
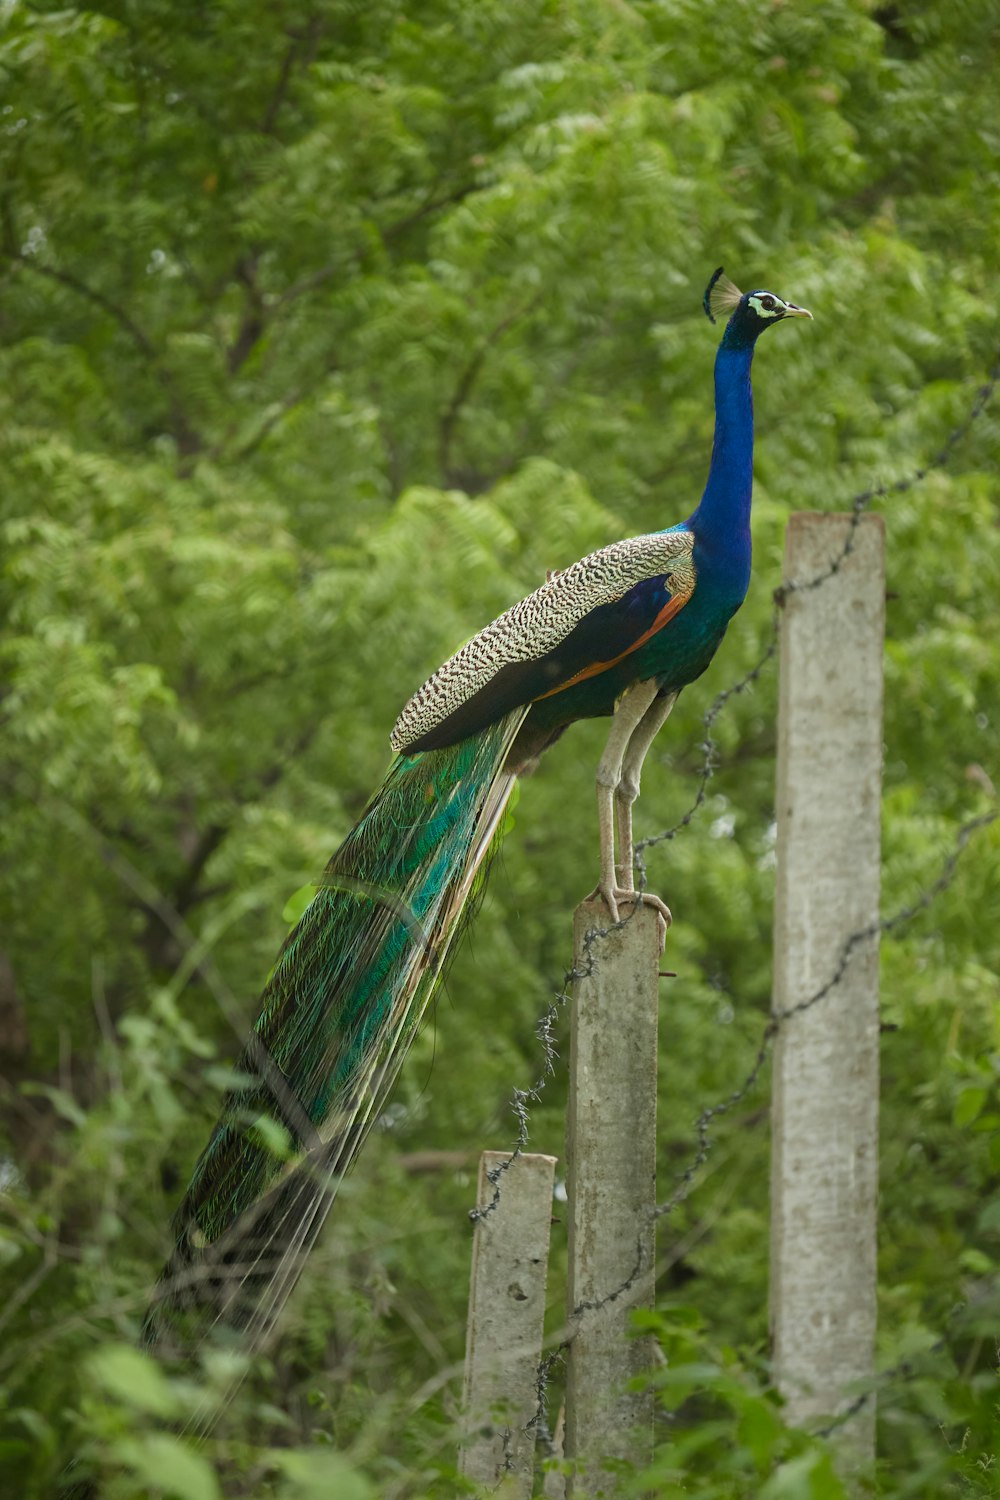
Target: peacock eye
x,y
767,302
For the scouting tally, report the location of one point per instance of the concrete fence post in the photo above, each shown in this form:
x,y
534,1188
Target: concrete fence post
x,y
611,1151
506,1314
826,1061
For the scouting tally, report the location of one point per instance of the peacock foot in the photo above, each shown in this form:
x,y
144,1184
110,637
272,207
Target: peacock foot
x,y
615,895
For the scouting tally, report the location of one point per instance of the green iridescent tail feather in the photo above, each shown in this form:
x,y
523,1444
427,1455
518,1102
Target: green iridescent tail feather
x,y
338,1014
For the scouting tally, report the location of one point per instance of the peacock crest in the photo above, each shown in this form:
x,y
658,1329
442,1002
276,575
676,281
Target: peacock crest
x,y
722,296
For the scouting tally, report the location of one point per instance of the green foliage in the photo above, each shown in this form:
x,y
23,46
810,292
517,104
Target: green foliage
x,y
726,1435
328,329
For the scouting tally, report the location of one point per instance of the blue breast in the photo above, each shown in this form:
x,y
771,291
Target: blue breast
x,y
684,648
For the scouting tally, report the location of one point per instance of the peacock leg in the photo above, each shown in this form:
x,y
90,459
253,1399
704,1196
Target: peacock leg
x,y
631,707
627,790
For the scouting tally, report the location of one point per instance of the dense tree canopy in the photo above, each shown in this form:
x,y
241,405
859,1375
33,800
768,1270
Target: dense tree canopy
x,y
327,328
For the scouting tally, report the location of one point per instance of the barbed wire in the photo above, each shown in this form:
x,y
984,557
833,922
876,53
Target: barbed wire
x,y
857,506
906,1369
704,1140
545,1034
855,940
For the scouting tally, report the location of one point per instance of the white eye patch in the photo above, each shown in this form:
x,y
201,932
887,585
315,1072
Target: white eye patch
x,y
765,305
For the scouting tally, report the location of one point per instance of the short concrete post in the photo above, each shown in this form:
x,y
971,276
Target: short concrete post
x,y
826,1063
611,1149
510,1255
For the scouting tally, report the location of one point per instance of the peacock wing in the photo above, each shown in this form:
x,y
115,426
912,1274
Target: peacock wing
x,y
578,623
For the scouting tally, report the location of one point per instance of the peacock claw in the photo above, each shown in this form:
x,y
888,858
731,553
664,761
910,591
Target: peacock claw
x,y
614,895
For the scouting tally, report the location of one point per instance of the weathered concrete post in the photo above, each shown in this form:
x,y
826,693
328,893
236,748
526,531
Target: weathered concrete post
x,y
826,1062
510,1256
611,1149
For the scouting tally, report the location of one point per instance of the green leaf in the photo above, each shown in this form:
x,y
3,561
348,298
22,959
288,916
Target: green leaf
x,y
808,1476
133,1378
11,1448
273,1136
168,1466
761,1429
62,1102
989,1217
229,1079
11,1249
967,1106
319,1475
297,902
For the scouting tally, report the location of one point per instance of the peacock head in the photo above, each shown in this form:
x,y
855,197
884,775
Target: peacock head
x,y
749,313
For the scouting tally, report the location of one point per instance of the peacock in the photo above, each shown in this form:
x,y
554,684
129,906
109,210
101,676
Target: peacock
x,y
618,634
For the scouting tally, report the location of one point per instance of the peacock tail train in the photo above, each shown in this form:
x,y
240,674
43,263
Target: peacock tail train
x,y
339,1012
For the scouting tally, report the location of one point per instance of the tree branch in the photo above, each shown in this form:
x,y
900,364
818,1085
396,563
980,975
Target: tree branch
x,y
301,47
326,273
281,88
141,340
431,205
187,438
186,893
254,318
468,378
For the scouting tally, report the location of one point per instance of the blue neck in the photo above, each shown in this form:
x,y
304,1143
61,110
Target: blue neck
x,y
722,520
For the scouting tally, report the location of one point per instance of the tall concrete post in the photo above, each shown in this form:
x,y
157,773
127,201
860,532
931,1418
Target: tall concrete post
x,y
826,1062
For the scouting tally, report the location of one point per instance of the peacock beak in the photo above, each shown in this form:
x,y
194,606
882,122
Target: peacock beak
x,y
791,311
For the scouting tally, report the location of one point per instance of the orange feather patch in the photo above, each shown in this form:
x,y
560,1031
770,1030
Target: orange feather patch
x,y
672,607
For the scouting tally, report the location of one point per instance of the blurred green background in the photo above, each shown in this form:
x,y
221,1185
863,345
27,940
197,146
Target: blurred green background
x,y
326,330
